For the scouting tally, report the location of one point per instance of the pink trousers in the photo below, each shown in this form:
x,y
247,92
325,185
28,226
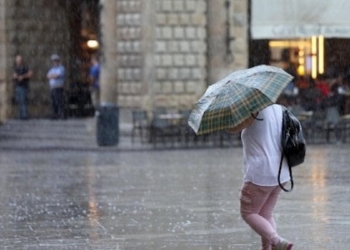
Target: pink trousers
x,y
257,205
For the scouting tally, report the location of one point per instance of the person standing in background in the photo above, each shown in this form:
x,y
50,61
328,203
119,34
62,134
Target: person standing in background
x,y
56,77
21,76
94,77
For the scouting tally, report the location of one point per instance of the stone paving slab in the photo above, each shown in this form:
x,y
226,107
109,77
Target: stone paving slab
x,y
60,191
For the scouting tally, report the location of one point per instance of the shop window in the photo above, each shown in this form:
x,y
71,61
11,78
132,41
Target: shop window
x,y
305,56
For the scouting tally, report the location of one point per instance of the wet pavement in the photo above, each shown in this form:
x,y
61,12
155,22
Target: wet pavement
x,y
60,191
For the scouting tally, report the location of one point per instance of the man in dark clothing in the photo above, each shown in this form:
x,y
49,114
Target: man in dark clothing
x,y
21,76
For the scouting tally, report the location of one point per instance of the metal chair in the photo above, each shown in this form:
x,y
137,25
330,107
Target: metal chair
x,y
187,132
345,126
314,126
332,122
163,129
140,124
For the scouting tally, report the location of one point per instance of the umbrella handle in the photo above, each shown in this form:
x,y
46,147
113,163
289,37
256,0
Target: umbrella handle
x,y
255,116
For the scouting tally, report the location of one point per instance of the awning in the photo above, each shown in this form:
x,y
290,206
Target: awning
x,y
285,19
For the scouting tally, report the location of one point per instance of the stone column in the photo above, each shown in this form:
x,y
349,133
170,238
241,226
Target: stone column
x,y
216,40
3,61
148,46
108,77
240,29
180,52
218,65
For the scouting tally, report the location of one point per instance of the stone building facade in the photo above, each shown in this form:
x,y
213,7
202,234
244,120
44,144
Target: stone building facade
x,y
154,53
169,51
162,63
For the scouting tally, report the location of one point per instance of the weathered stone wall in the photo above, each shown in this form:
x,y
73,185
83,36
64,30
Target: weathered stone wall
x,y
161,52
180,52
109,56
130,59
35,29
240,31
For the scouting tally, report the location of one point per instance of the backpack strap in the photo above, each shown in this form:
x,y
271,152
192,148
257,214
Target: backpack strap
x,y
290,174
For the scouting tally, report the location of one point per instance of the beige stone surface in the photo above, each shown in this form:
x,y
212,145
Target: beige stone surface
x,y
185,74
3,64
199,19
202,60
240,46
173,46
167,87
167,33
188,43
172,19
191,32
179,60
201,6
108,76
158,60
173,73
240,6
167,5
201,33
179,87
179,32
161,74
191,87
179,5
166,60
185,46
158,88
190,5
162,19
240,61
185,19
190,60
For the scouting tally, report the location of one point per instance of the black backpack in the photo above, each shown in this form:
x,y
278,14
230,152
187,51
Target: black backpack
x,y
293,145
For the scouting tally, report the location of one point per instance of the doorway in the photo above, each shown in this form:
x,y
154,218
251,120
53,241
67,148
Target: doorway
x,y
84,16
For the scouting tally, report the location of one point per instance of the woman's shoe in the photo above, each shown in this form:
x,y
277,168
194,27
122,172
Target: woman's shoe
x,y
283,245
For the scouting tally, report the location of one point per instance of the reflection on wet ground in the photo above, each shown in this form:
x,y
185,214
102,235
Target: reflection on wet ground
x,y
183,199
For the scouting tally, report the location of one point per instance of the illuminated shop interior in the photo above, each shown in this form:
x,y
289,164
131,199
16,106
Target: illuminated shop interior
x,y
306,55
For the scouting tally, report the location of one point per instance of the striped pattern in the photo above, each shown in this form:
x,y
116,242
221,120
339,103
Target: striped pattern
x,y
231,100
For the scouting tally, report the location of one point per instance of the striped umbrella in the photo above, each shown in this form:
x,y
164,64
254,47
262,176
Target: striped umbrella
x,y
233,99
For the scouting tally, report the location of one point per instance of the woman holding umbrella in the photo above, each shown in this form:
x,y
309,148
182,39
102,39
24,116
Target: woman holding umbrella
x,y
261,138
245,101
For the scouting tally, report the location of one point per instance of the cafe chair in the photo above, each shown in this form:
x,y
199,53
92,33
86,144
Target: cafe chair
x,y
187,132
314,127
162,129
140,124
332,123
345,126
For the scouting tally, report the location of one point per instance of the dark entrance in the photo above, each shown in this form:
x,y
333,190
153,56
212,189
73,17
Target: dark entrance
x,y
84,33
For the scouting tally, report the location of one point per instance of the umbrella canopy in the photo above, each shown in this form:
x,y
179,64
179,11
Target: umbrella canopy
x,y
233,99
